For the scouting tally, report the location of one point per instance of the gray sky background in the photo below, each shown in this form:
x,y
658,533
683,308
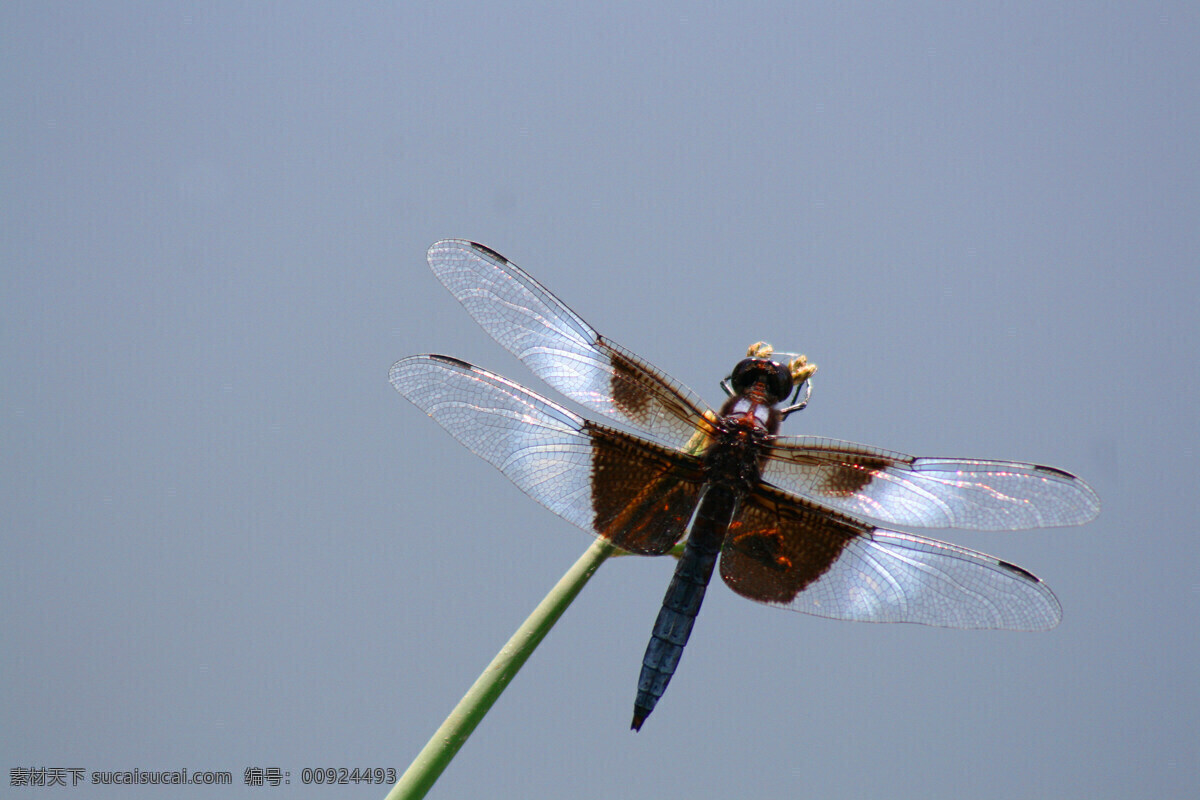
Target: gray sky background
x,y
227,542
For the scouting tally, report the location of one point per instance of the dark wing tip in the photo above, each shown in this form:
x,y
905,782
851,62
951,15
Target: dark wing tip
x,y
1019,570
487,251
1060,473
457,362
1054,615
399,366
463,245
1088,507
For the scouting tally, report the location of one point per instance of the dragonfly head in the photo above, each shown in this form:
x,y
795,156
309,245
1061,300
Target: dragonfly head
x,y
760,374
777,373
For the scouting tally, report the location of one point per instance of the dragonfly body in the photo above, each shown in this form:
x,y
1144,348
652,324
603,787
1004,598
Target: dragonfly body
x,y
792,521
732,468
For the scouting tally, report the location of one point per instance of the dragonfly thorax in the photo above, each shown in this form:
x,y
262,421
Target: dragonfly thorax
x,y
734,458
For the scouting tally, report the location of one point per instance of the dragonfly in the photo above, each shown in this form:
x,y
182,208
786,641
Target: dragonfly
x,y
799,522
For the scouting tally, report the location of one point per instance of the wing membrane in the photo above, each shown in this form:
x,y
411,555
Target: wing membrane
x,y
562,349
898,489
634,493
790,553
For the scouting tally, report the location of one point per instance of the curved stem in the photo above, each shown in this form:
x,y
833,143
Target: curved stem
x,y
447,740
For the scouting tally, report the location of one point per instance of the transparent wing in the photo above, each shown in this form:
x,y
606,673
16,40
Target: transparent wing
x,y
562,349
898,489
789,553
634,493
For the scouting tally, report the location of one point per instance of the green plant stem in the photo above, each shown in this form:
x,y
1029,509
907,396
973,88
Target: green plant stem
x,y
444,744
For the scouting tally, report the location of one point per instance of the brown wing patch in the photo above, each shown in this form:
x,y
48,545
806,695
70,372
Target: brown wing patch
x,y
837,469
649,399
643,495
777,546
629,392
847,478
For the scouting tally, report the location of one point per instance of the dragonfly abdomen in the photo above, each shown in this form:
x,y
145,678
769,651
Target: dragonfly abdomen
x,y
682,601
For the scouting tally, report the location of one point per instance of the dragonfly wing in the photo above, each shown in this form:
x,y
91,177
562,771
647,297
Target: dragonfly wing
x,y
899,489
562,349
787,552
634,493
